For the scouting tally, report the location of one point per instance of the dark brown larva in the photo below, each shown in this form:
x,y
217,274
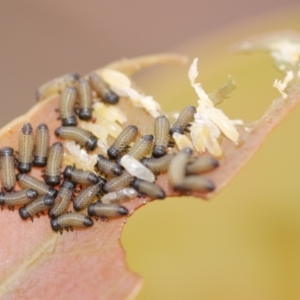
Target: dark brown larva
x,y
57,85
184,118
80,176
66,107
54,163
148,188
25,149
118,183
201,165
62,199
85,100
86,196
196,183
18,198
7,172
81,136
102,90
35,207
28,181
161,136
106,211
176,172
141,147
127,136
108,167
71,220
41,148
158,165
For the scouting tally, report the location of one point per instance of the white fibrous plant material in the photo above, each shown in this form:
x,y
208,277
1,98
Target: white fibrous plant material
x,y
135,168
210,122
121,85
282,85
75,155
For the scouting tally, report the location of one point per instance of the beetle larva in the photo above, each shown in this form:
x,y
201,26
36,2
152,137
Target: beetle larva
x,y
25,149
66,107
141,147
201,165
118,183
127,136
28,181
161,136
196,183
102,90
158,165
54,163
57,85
71,220
35,207
62,199
7,173
108,167
18,198
136,168
80,176
81,136
106,211
85,100
184,118
176,172
119,196
148,188
41,148
86,196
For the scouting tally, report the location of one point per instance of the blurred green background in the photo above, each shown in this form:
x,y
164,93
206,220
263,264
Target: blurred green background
x,y
242,244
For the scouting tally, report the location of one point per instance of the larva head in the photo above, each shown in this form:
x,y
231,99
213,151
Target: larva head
x,y
91,144
2,195
31,194
159,151
68,185
122,210
6,151
24,213
52,193
111,98
91,210
55,225
70,121
85,113
68,172
88,222
93,178
49,201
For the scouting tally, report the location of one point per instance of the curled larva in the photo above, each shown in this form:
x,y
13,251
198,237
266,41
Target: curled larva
x,y
7,172
66,107
185,117
127,136
42,139
81,136
71,220
54,163
25,149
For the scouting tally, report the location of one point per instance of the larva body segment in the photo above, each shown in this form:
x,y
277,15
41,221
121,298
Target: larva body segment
x,y
42,139
18,198
118,183
81,136
201,165
62,199
35,207
66,107
127,136
71,220
7,171
80,176
148,188
185,117
176,172
161,136
141,147
86,196
106,211
54,163
107,167
30,182
25,149
158,165
85,100
56,86
102,90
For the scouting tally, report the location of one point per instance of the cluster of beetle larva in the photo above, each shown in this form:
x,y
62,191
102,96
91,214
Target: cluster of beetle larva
x,y
101,191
